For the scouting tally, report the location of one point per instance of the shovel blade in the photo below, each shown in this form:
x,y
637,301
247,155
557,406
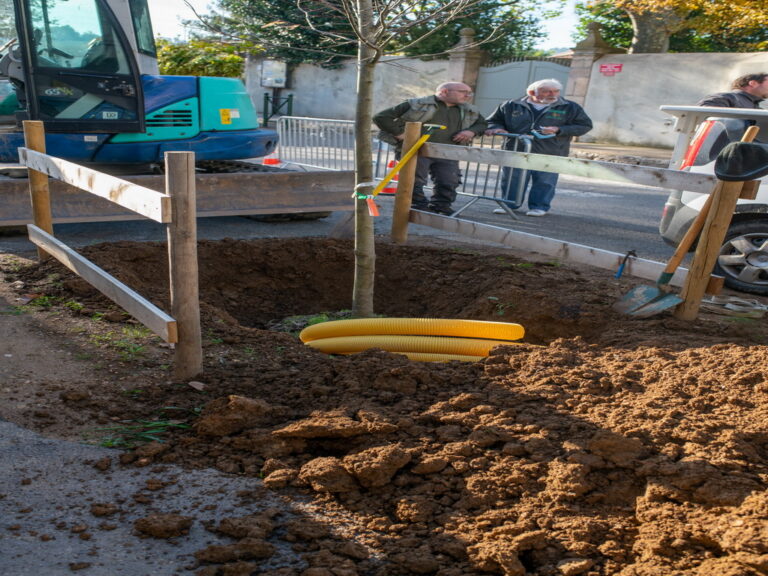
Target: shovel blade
x,y
637,298
656,306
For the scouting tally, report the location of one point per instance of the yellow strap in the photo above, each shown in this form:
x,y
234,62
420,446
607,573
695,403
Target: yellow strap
x,y
403,161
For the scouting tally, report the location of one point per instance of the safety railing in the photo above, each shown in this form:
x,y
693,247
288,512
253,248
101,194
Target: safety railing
x,y
480,181
483,181
316,143
328,144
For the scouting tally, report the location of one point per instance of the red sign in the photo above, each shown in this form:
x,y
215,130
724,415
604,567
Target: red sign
x,y
610,69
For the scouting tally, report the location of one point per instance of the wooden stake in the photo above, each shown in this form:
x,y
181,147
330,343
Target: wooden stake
x,y
34,139
182,263
405,184
725,196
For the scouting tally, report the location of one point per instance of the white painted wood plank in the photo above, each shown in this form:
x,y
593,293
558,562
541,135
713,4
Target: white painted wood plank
x,y
613,171
559,249
149,203
136,305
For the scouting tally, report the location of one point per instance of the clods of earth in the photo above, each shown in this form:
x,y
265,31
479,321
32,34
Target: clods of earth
x,y
599,445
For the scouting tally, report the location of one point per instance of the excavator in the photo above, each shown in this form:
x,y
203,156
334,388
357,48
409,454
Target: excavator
x,y
88,70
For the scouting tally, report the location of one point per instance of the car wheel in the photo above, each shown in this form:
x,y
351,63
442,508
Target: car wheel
x,y
743,258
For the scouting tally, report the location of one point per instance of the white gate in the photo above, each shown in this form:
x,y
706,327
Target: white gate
x,y
508,81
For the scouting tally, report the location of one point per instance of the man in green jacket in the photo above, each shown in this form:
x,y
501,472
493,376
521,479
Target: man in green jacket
x,y
448,107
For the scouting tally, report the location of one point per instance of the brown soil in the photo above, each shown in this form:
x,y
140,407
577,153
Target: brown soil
x,y
602,445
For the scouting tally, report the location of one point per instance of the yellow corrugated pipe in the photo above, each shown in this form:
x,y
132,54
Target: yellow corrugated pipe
x,y
421,339
413,327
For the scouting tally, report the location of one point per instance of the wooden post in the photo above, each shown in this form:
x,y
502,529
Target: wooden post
x,y
725,196
34,139
182,263
407,177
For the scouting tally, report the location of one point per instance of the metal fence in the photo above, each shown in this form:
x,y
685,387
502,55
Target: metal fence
x,y
316,143
326,144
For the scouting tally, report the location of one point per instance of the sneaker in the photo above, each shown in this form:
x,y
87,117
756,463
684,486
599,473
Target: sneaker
x,y
499,211
536,212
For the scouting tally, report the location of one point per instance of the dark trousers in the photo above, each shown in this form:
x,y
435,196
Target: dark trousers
x,y
446,177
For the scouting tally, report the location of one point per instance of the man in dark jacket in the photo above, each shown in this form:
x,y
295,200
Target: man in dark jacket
x,y
448,107
748,91
552,121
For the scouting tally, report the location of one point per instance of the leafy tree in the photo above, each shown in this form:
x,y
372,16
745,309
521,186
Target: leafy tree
x,y
683,25
199,58
283,29
505,27
615,25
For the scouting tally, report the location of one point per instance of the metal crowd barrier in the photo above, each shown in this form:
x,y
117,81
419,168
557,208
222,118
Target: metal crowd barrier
x,y
491,182
327,144
316,143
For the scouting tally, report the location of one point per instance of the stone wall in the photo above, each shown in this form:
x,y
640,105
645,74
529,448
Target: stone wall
x,y
624,105
322,93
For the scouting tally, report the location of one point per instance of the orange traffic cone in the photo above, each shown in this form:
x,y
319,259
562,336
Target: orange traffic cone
x,y
271,159
391,187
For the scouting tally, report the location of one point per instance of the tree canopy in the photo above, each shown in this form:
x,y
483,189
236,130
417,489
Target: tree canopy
x,y
681,25
199,58
320,33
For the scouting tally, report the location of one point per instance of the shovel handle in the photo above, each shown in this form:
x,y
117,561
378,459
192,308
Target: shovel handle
x,y
696,226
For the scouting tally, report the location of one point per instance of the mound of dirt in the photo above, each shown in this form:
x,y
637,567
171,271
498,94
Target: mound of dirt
x,y
600,445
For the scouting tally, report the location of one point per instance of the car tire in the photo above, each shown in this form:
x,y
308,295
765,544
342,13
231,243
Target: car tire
x,y
743,258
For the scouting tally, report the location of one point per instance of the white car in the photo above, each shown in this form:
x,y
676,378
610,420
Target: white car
x,y
743,259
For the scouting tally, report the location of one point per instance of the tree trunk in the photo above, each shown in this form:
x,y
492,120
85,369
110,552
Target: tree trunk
x,y
365,251
652,31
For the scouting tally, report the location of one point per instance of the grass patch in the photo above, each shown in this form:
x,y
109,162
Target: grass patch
x,y
129,436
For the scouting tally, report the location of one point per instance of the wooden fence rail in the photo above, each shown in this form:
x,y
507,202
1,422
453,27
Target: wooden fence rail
x,y
175,207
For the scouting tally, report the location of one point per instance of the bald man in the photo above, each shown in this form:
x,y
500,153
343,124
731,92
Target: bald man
x,y
449,107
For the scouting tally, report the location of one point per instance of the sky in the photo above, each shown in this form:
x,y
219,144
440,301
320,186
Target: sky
x,y
168,14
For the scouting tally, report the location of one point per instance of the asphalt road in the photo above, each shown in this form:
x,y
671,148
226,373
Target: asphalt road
x,y
601,214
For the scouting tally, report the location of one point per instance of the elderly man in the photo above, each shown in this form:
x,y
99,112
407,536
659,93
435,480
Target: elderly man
x,y
748,91
553,121
449,107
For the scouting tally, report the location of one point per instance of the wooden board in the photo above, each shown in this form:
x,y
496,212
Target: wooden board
x,y
139,199
217,195
613,171
132,302
558,249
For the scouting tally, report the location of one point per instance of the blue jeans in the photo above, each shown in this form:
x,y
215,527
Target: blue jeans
x,y
542,188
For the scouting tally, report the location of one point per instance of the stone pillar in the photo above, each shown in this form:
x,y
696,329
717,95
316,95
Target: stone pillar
x,y
585,53
465,59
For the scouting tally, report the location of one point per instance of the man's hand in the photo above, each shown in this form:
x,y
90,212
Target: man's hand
x,y
400,137
463,137
549,129
492,131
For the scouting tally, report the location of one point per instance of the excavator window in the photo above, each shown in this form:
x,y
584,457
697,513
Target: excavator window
x,y
142,26
83,73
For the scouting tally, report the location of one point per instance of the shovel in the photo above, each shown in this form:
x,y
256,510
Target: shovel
x,y
645,301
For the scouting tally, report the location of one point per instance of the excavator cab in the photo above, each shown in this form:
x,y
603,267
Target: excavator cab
x,y
77,72
88,70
